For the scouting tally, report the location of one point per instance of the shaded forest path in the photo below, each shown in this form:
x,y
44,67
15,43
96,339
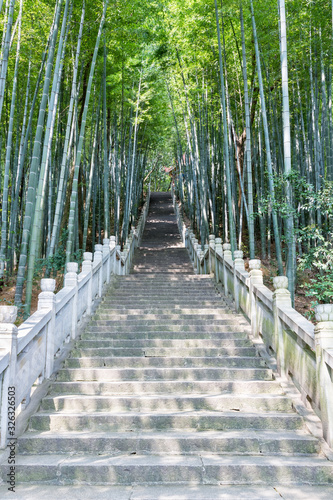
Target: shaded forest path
x,y
165,396
161,249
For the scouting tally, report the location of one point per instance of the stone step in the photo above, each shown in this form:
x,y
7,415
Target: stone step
x,y
128,302
159,277
101,385
143,294
161,343
164,352
147,469
90,334
158,421
89,370
162,286
247,442
107,320
243,363
163,304
81,397
123,328
166,492
103,314
159,313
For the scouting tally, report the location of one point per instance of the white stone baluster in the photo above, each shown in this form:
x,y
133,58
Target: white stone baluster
x,y
106,253
71,280
218,251
87,266
98,257
113,257
8,337
281,299
227,254
46,301
255,279
324,340
206,262
118,261
211,259
8,342
238,265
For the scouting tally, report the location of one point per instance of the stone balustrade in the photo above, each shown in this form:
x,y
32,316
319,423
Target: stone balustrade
x,y
304,352
27,352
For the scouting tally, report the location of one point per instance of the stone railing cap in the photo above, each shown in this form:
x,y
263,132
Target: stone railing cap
x,y
8,314
48,284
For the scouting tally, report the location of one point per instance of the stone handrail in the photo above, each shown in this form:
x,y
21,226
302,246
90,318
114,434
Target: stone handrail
x,y
27,352
304,353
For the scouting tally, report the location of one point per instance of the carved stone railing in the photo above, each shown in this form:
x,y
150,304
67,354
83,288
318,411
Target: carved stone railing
x,y
304,353
27,353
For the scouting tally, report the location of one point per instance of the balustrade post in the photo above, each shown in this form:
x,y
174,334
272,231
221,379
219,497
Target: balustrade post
x,y
255,279
238,265
186,238
98,257
201,261
106,253
195,252
118,260
281,298
218,251
8,337
113,257
227,254
192,247
8,342
71,280
126,255
206,250
211,260
87,266
324,341
46,301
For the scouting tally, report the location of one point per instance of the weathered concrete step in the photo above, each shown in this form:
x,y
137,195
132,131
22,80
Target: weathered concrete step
x,y
153,305
168,294
248,442
241,363
188,420
161,343
149,317
137,388
83,402
164,352
160,313
128,303
231,327
130,335
161,323
147,469
165,268
160,286
178,362
166,492
154,277
194,279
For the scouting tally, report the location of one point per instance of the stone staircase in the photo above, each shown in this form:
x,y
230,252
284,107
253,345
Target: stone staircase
x,y
165,396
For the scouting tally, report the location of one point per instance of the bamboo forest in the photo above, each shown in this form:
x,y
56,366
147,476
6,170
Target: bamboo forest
x,y
229,101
